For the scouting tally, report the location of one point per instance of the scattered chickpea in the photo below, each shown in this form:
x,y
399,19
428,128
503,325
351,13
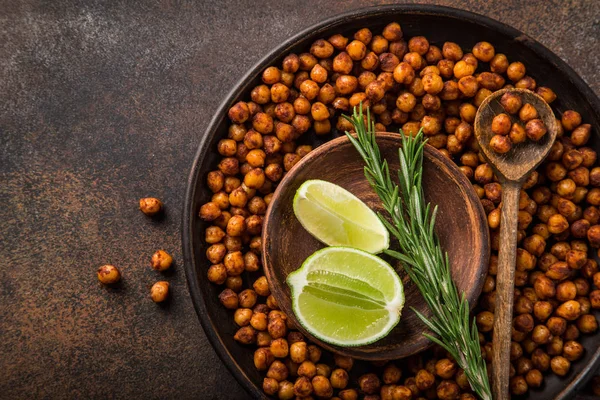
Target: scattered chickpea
x,y
151,206
108,274
160,291
161,260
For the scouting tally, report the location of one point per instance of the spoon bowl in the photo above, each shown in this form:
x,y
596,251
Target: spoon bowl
x,y
461,227
523,158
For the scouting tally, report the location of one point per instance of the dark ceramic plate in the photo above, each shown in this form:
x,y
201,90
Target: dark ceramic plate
x,y
438,24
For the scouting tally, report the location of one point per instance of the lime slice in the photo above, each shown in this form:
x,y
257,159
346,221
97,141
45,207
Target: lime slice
x,y
346,296
338,218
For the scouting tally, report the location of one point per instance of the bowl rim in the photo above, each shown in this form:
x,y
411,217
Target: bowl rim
x,y
448,169
194,176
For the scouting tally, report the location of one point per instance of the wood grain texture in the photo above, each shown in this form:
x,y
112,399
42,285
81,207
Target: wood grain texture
x,y
505,279
512,169
461,226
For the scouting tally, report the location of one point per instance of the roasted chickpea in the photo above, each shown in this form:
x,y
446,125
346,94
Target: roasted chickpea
x,y
446,68
468,85
445,368
263,358
535,129
307,369
557,224
511,102
322,387
108,274
587,323
342,63
234,283
572,350
515,71
236,132
356,50
346,84
570,120
483,174
450,91
161,260
491,81
541,334
593,197
348,394
501,124
309,89
369,383
307,61
150,206
280,92
418,44
560,365
484,51
319,111
414,59
261,94
523,323
339,379
499,64
374,91
388,62
392,32
277,328
343,362
485,321
322,127
481,95
160,291
462,69
581,135
279,348
298,352
278,371
452,51
215,181
593,235
289,160
379,44
500,144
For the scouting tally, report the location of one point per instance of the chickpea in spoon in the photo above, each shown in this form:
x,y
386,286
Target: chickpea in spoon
x,y
518,124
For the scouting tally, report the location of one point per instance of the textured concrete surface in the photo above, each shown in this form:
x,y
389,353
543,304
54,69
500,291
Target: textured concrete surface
x,y
104,103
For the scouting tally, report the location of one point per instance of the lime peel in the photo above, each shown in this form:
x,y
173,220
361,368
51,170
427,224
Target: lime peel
x,y
336,217
338,317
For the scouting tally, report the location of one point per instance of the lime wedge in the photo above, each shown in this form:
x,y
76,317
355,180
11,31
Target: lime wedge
x,y
346,296
338,218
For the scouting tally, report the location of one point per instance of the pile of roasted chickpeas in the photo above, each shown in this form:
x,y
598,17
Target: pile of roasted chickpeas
x,y
409,84
506,133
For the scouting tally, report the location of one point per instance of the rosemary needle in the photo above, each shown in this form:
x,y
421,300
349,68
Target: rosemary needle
x,y
427,265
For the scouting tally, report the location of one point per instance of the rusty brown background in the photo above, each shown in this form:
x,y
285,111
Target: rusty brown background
x,y
104,102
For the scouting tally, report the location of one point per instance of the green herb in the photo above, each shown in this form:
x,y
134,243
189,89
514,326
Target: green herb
x,y
427,265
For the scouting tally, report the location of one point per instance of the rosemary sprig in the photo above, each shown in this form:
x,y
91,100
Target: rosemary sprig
x,y
426,263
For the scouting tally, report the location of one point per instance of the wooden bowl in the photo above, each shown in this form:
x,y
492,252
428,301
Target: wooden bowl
x,y
461,226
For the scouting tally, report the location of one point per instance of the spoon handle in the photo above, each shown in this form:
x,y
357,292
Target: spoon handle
x,y
505,279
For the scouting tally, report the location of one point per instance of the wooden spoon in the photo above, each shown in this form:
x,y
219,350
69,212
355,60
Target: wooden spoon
x,y
512,169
